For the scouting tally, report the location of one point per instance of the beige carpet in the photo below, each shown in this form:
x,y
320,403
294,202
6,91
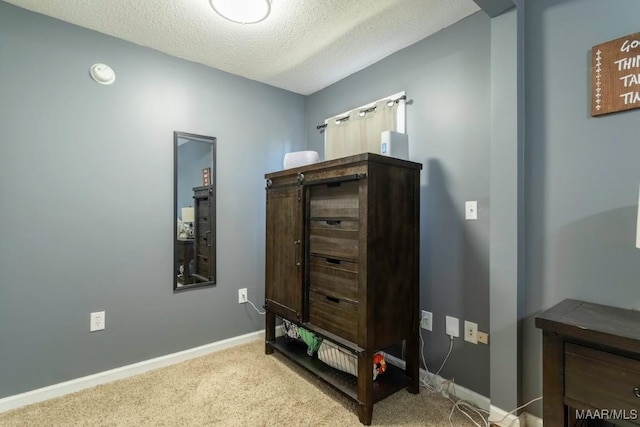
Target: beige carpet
x,y
240,386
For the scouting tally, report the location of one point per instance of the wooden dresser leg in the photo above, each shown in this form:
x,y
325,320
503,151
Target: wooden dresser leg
x,y
365,413
413,367
365,387
269,331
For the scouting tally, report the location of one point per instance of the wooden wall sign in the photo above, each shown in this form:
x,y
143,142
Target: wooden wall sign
x,y
206,176
615,75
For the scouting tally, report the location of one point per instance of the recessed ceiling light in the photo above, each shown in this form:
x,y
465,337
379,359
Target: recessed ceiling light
x,y
242,11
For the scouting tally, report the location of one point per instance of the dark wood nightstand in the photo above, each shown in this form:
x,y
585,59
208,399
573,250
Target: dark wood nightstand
x,y
591,363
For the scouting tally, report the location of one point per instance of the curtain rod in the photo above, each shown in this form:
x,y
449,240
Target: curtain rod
x,y
402,98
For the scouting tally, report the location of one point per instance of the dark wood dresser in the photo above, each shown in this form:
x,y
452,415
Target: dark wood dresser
x,y
204,235
591,364
342,243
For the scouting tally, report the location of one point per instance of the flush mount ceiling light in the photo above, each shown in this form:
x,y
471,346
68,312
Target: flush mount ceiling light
x,y
242,11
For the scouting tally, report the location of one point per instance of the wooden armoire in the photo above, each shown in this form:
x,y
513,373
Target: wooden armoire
x,y
342,260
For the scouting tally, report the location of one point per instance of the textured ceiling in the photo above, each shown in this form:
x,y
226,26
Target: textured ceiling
x,y
303,46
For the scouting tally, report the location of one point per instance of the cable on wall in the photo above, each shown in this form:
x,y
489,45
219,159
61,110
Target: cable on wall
x,y
256,308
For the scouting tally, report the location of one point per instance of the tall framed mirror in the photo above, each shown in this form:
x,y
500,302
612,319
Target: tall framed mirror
x,y
194,195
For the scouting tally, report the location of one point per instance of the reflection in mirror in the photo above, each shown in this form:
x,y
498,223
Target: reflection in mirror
x,y
194,211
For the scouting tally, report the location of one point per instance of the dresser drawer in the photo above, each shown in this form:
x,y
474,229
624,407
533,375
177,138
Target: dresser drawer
x,y
338,200
203,267
202,243
334,277
203,192
600,379
337,238
203,213
334,315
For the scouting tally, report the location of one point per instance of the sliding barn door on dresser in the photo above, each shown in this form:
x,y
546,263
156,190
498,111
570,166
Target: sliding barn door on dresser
x,y
283,269
342,240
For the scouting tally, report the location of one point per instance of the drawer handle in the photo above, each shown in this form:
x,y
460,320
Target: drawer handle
x,y
636,392
333,261
332,299
333,222
296,258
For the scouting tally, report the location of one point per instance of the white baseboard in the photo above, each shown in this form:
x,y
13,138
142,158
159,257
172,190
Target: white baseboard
x,y
532,420
510,420
61,389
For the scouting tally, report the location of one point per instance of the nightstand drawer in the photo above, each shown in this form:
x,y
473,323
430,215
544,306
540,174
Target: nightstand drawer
x,y
331,276
600,379
334,315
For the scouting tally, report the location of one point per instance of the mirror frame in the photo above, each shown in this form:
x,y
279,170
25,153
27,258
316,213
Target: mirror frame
x,y
207,139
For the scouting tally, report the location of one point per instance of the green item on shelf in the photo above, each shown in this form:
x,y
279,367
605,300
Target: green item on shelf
x,y
310,339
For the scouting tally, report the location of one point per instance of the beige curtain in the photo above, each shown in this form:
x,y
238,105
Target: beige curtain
x,y
383,118
344,137
360,133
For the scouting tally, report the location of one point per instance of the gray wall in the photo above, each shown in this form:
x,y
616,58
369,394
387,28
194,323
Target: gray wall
x,y
506,184
86,178
448,123
581,172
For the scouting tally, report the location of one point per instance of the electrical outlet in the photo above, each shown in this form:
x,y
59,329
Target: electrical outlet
x,y
471,210
452,326
471,332
242,296
97,321
483,337
426,321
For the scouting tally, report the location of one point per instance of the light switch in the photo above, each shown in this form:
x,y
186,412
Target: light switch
x,y
471,210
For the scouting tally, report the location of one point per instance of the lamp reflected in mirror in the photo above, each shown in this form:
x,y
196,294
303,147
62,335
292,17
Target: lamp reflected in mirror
x,y
187,221
194,211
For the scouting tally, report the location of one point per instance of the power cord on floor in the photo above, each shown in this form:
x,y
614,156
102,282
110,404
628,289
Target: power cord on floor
x,y
427,383
468,409
518,408
486,422
461,404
